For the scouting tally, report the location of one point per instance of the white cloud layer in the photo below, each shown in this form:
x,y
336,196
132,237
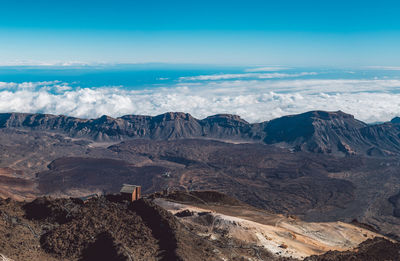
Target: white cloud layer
x,y
254,100
267,69
44,63
385,68
215,77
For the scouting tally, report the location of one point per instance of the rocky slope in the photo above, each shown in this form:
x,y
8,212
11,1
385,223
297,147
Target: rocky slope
x,y
370,250
200,225
106,229
217,216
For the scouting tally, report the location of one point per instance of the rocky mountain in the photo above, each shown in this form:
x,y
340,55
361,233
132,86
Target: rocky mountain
x,y
315,131
333,132
172,125
395,120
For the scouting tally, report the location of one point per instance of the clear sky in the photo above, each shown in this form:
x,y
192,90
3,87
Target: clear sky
x,y
251,32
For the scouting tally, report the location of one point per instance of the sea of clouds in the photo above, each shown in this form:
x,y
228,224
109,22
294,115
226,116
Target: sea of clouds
x,y
255,100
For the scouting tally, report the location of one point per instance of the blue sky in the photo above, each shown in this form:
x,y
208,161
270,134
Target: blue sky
x,y
299,33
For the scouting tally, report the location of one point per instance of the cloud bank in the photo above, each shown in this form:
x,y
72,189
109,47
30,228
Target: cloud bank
x,y
267,69
385,68
216,77
254,100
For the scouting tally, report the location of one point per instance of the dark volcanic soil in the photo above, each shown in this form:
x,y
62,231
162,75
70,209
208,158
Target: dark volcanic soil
x,y
261,175
316,187
105,175
370,250
103,229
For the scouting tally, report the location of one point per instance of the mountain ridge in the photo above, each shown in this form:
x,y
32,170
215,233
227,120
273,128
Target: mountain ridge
x,y
313,131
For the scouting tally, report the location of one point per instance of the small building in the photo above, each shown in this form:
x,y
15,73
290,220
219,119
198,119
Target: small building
x,y
130,192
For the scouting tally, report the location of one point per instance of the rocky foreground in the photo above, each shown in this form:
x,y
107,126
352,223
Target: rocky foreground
x,y
181,226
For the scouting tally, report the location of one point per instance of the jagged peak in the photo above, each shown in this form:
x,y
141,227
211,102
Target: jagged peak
x,y
395,120
324,115
174,116
307,118
313,116
105,118
332,114
226,117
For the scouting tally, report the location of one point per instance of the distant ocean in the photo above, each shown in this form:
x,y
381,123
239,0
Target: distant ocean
x,y
143,76
254,92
